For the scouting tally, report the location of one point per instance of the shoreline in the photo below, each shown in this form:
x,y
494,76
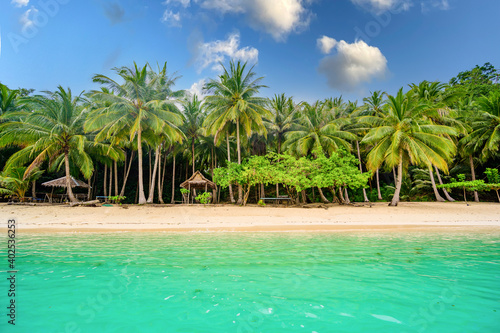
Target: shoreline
x,y
406,217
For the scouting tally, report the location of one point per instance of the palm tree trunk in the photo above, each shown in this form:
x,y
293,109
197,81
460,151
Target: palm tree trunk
x,y
379,195
279,152
110,180
446,194
161,178
231,195
89,191
116,178
122,192
105,181
68,178
149,169
434,188
153,176
395,198
192,152
322,196
365,197
33,190
173,181
142,197
238,144
473,174
394,175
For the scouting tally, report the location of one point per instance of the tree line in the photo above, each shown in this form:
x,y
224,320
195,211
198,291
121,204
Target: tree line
x,y
398,146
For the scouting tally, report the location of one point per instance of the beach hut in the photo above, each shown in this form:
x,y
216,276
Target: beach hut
x,y
198,182
61,182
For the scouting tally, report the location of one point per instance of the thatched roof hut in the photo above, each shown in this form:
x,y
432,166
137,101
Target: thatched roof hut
x,y
61,182
198,181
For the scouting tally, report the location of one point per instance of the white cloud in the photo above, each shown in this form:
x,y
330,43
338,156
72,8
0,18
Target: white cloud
x,y
278,18
211,53
26,18
352,65
434,4
197,89
224,6
20,3
326,44
183,3
171,18
379,6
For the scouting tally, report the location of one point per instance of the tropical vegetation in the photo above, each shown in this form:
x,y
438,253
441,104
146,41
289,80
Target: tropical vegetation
x,y
136,136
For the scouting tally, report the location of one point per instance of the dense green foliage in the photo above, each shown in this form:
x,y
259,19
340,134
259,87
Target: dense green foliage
x,y
295,174
136,135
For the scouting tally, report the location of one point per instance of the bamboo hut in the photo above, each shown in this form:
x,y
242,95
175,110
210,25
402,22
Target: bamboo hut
x,y
61,182
198,182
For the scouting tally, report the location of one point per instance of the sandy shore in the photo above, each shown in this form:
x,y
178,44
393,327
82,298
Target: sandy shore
x,y
407,216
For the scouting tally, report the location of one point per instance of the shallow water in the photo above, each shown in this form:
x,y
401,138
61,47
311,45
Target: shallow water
x,y
244,282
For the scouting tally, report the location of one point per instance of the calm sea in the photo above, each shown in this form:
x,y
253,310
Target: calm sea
x,y
254,282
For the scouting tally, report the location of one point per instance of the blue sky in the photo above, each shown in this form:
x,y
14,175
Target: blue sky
x,y
308,49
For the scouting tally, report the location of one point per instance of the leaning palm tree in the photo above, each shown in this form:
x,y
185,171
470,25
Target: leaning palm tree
x,y
52,129
233,99
485,135
14,182
433,94
406,136
138,104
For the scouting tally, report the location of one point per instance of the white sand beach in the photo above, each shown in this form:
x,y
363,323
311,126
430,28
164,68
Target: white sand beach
x,y
183,218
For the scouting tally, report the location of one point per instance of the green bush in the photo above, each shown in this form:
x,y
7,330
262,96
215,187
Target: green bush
x,y
204,197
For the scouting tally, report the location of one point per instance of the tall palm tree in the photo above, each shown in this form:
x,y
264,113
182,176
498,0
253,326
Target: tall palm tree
x,y
233,99
317,127
433,94
283,117
138,104
52,129
406,136
193,120
374,106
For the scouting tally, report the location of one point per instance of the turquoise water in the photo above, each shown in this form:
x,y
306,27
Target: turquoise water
x,y
225,282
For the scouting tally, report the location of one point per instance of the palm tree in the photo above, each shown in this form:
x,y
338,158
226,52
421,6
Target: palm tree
x,y
317,127
137,105
406,136
14,182
485,135
7,99
193,119
433,94
233,99
283,117
52,130
374,106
